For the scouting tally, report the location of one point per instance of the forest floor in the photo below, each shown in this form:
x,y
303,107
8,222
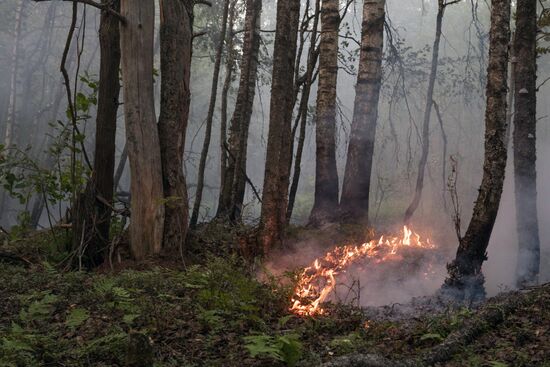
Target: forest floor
x,y
217,313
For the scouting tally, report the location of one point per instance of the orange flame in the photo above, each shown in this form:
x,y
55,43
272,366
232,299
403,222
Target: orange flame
x,y
317,281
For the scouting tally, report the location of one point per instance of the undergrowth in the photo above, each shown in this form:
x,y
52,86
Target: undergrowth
x,y
218,314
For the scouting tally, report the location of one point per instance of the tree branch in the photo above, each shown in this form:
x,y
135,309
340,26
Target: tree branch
x,y
103,7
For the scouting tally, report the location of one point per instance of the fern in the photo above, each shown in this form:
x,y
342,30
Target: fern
x,y
77,317
262,345
285,348
39,310
118,298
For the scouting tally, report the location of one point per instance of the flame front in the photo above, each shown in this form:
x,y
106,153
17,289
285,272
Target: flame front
x,y
317,281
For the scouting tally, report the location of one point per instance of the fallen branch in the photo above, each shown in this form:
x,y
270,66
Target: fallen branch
x,y
368,360
13,259
488,318
104,7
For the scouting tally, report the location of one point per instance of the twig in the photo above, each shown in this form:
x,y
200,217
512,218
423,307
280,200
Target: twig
x,y
248,180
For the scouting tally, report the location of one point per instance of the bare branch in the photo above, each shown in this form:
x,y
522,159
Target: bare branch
x,y
103,7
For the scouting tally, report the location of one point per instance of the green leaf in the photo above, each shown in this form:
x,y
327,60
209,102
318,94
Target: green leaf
x,y
77,317
291,348
129,319
431,336
15,345
262,345
39,310
283,320
82,102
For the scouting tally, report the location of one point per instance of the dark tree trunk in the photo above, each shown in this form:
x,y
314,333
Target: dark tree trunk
x,y
176,36
427,114
210,117
120,168
93,212
147,216
325,203
234,181
354,204
12,103
47,160
313,55
12,106
525,129
465,279
279,146
229,68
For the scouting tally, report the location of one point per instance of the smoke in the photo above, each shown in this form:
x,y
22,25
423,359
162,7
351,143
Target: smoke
x,y
369,281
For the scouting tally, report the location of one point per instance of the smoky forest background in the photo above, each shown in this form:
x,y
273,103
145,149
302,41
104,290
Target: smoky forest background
x,y
274,183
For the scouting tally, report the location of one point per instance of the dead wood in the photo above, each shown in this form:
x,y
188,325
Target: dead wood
x,y
488,318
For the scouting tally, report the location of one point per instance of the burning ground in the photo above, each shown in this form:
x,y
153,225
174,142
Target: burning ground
x,y
218,314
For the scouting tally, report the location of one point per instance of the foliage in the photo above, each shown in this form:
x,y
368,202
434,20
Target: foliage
x,y
544,25
285,348
218,314
57,173
76,317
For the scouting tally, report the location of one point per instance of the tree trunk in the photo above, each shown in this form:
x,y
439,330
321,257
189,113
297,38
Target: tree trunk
x,y
120,168
176,37
465,279
229,68
427,114
210,117
326,175
354,204
47,161
12,103
279,143
147,217
525,129
93,210
313,55
12,106
234,182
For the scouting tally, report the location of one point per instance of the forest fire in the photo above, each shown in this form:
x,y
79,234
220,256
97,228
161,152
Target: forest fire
x,y
318,281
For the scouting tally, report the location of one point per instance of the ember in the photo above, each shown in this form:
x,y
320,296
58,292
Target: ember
x,y
318,280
